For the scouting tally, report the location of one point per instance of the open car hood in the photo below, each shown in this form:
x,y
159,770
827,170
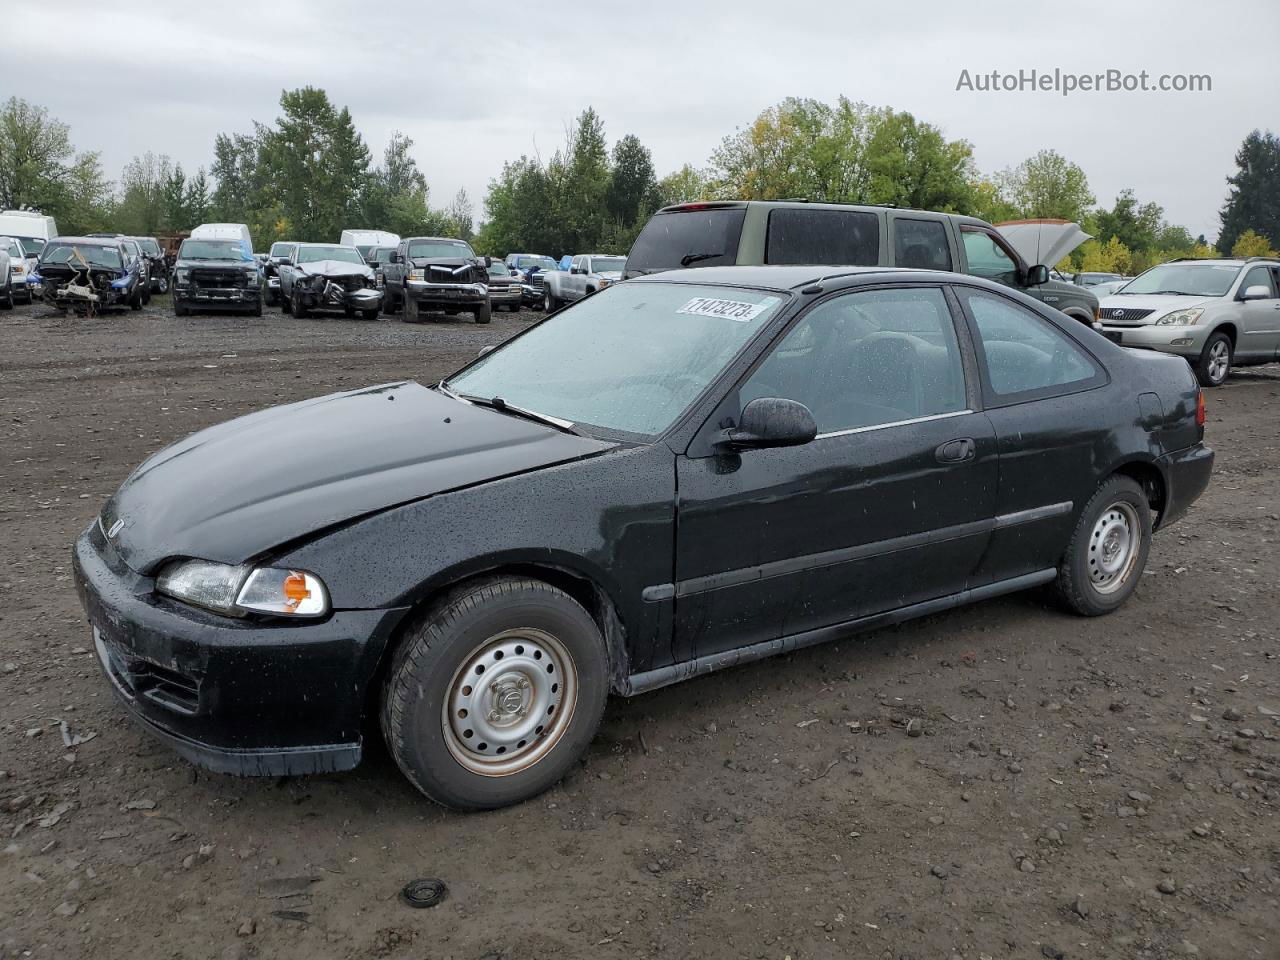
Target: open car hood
x,y
1042,241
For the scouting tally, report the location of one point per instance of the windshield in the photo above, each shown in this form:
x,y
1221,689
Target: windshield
x,y
687,238
1188,279
12,248
211,250
149,247
498,269
627,360
382,254
431,249
77,253
31,245
280,249
608,264
341,254
526,263
364,248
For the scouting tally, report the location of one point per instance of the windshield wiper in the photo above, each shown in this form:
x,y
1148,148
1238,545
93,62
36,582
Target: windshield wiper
x,y
689,258
497,403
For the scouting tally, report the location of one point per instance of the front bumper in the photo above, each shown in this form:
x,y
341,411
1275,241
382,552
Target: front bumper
x,y
448,294
532,293
1183,341
1186,475
218,296
332,296
246,697
511,293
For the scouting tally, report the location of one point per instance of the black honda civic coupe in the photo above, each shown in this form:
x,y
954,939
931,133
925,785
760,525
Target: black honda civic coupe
x,y
683,472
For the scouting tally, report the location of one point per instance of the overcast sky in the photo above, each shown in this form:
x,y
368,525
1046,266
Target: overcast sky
x,y
475,84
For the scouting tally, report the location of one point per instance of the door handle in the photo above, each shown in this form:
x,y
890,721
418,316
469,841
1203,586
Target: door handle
x,y
957,451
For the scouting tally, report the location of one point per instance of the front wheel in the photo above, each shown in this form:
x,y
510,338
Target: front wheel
x,y
494,693
369,314
1214,365
411,310
550,302
297,307
1108,549
484,313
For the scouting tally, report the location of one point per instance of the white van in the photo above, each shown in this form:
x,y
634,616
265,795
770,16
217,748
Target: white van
x,y
226,231
366,240
30,228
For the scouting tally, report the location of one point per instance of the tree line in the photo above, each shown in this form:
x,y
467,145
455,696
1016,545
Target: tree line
x,y
310,174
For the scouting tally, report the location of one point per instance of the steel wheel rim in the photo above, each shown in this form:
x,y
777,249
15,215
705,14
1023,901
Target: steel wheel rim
x,y
1219,359
510,702
1114,547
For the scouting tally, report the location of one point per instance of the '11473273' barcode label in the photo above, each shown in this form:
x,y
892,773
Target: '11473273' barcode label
x,y
729,309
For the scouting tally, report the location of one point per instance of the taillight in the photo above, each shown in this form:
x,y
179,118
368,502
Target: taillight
x,y
1200,417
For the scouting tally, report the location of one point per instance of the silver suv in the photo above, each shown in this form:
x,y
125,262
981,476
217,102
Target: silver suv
x,y
1216,313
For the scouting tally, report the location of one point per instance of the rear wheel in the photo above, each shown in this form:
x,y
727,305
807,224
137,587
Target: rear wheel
x,y
1214,365
484,313
494,693
1108,549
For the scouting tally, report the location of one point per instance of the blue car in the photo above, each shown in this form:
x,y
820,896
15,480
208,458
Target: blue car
x,y
90,274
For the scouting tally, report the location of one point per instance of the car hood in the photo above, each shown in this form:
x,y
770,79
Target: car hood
x,y
214,264
1158,304
234,491
334,268
614,275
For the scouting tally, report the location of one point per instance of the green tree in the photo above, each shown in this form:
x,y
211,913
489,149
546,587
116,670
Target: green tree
x,y
198,202
317,165
142,206
1253,202
41,170
684,185
1048,185
1252,244
632,194
1135,225
911,164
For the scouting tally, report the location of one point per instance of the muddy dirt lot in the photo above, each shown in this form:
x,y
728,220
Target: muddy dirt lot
x,y
1106,788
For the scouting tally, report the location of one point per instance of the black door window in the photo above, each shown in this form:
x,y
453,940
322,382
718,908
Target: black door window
x,y
921,244
814,235
1026,356
866,359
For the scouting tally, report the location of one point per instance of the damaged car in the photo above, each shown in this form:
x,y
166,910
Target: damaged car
x,y
675,475
437,273
216,274
89,274
280,252
328,276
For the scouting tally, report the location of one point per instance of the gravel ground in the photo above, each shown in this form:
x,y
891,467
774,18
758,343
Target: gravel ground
x,y
1104,788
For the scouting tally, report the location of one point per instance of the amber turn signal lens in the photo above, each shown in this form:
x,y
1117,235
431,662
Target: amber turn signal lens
x,y
295,589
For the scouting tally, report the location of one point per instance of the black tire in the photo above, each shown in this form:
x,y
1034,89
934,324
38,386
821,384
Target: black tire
x,y
349,312
162,285
146,292
550,302
180,309
285,306
1210,370
1118,505
462,629
6,302
369,314
411,311
257,309
484,313
135,301
297,307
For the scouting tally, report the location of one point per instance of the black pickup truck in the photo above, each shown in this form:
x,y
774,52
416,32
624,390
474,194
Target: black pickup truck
x,y
436,273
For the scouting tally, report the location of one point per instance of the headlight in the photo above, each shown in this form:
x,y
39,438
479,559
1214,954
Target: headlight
x,y
19,269
251,276
604,283
236,590
1180,318
415,274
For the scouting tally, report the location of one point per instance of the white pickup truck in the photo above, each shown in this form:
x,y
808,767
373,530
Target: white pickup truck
x,y
587,273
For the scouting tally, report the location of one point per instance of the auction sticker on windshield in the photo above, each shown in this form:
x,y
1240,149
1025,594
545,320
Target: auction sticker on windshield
x,y
732,309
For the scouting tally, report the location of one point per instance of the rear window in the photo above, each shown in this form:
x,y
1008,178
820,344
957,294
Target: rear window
x,y
921,244
845,237
687,238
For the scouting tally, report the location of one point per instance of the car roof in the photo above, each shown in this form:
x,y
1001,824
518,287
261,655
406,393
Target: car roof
x,y
784,277
445,239
800,203
87,241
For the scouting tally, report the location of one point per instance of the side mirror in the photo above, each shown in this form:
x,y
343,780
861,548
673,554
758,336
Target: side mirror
x,y
1037,275
488,262
1258,291
772,422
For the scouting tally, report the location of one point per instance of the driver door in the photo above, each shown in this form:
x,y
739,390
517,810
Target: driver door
x,y
891,504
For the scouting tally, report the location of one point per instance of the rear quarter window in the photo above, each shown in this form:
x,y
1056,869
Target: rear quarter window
x,y
845,237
